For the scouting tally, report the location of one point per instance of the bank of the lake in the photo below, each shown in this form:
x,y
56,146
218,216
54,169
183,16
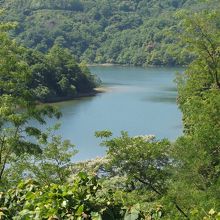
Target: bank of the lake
x,y
95,91
138,100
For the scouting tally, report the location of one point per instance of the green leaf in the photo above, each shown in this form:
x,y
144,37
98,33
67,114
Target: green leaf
x,y
96,216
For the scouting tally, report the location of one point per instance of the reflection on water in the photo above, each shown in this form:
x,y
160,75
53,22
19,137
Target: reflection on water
x,y
170,89
169,97
165,99
138,100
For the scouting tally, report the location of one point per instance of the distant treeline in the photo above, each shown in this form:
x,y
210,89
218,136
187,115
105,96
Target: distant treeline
x,y
137,32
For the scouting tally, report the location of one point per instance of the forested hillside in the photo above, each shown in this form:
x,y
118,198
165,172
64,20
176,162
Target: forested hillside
x,y
56,76
141,177
102,31
53,76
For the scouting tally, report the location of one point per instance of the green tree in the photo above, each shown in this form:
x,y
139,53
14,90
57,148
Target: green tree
x,y
57,76
141,158
53,165
17,104
197,153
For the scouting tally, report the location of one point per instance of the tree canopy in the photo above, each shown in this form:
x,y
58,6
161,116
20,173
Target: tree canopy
x,y
101,31
57,76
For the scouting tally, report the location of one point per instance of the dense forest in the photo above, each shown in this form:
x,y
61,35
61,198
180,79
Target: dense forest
x,y
137,32
140,177
54,76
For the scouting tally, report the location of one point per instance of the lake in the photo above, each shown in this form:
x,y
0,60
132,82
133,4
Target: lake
x,y
138,100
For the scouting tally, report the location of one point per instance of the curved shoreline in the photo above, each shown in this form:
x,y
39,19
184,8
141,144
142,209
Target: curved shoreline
x,y
78,96
132,65
103,64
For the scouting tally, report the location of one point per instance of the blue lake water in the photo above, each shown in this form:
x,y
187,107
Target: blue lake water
x,y
138,100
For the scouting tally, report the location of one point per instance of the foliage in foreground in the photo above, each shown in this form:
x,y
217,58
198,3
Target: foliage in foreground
x,y
81,199
17,105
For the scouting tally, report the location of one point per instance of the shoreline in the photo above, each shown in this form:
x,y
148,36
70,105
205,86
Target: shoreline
x,y
95,91
133,65
103,64
100,89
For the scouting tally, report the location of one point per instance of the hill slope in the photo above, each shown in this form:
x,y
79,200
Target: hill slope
x,y
101,31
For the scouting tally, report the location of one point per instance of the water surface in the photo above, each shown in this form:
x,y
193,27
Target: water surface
x,y
139,100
